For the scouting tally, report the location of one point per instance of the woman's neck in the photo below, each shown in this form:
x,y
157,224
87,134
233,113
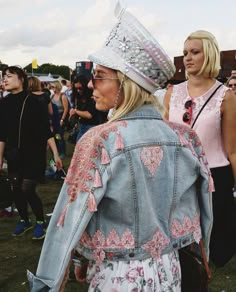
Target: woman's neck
x,y
15,91
56,95
37,92
198,85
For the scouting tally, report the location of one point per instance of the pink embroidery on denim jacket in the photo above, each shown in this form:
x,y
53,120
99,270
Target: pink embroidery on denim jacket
x,y
187,226
156,245
82,163
98,242
82,169
127,239
152,157
113,240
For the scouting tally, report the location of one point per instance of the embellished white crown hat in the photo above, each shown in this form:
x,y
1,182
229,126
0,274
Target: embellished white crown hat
x,y
131,49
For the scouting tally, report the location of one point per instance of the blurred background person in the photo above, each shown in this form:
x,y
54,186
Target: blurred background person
x,y
85,110
41,92
45,88
24,133
68,94
63,85
35,90
60,100
231,83
233,73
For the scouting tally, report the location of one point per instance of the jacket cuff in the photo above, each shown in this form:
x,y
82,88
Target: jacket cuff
x,y
38,285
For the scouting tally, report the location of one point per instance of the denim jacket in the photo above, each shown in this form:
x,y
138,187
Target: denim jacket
x,y
136,188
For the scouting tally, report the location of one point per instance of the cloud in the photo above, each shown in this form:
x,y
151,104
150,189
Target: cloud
x,y
64,32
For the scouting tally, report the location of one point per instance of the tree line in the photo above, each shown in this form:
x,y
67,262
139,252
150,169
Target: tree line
x,y
46,68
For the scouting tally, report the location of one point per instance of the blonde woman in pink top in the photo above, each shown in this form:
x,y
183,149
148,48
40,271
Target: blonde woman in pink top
x,y
215,123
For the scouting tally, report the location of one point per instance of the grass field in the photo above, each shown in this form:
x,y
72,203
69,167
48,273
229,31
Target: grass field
x,y
22,253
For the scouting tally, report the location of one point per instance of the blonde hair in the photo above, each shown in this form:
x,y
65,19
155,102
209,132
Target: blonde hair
x,y
134,97
57,85
211,64
34,84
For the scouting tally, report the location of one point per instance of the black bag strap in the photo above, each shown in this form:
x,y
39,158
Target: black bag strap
x,y
205,104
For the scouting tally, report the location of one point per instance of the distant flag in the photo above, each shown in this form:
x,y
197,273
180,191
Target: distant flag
x,y
34,64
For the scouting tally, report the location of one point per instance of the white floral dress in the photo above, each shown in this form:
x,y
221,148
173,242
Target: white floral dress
x,y
147,275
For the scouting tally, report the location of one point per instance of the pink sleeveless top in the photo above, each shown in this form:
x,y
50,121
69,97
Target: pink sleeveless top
x,y
208,124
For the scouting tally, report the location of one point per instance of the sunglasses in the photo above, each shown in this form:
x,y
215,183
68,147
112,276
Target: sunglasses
x,y
232,85
95,78
187,116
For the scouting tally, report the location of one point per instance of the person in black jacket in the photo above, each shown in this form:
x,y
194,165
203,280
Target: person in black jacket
x,y
25,131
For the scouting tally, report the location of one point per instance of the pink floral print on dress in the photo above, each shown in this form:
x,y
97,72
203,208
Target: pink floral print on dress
x,y
147,275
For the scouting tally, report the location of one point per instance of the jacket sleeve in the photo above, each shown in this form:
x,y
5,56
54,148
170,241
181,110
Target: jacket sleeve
x,y
83,189
206,187
189,138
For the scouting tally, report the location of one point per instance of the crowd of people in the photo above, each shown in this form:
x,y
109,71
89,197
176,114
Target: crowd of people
x,y
39,113
148,176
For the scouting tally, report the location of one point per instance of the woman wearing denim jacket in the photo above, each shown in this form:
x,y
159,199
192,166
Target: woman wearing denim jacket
x,y
138,187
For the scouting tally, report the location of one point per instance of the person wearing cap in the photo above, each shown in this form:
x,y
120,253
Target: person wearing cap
x,y
130,199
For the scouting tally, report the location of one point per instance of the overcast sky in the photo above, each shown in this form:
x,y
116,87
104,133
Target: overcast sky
x,y
64,32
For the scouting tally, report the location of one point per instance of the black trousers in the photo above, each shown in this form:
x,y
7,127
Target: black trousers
x,y
223,236
25,194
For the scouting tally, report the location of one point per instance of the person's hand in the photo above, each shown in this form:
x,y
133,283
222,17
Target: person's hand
x,y
58,162
61,122
72,112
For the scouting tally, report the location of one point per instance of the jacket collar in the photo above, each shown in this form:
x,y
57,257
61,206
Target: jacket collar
x,y
143,112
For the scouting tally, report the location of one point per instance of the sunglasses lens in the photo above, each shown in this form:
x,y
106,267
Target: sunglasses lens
x,y
92,78
186,117
188,104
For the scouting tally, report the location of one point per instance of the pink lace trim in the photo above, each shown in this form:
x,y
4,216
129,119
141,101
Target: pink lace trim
x,y
156,245
113,241
180,96
152,157
188,226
